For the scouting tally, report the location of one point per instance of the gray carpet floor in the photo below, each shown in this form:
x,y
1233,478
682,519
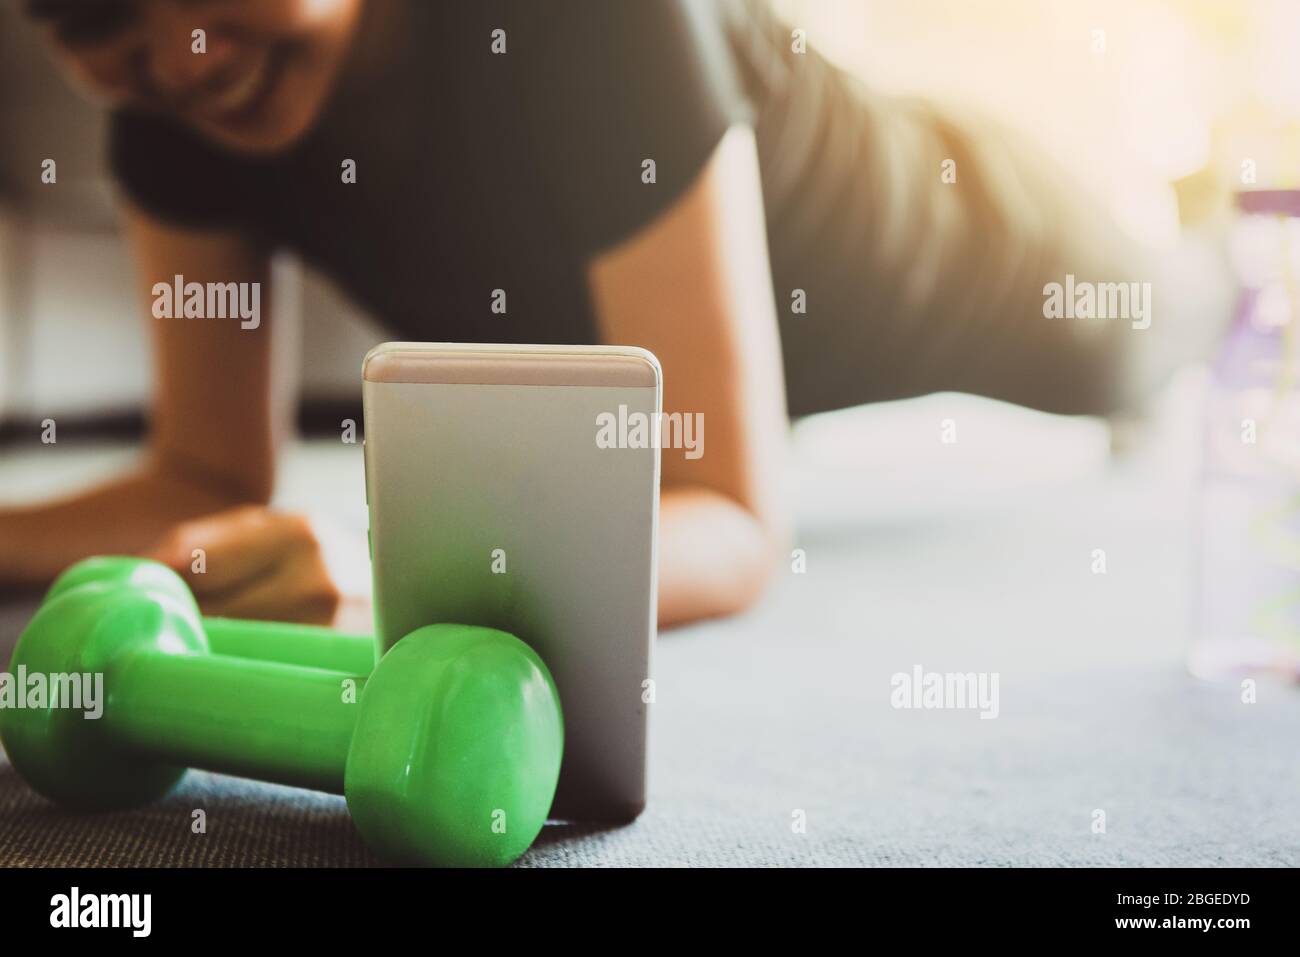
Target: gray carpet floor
x,y
784,713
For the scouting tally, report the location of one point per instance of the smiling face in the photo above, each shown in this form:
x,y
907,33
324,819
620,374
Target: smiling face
x,y
264,76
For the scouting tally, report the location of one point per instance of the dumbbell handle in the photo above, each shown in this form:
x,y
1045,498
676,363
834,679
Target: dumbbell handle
x,y
268,720
262,641
308,645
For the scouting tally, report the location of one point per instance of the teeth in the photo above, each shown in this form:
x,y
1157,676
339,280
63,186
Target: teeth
x,y
242,92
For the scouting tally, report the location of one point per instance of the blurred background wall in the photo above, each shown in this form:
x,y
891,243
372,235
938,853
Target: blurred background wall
x,y
1155,103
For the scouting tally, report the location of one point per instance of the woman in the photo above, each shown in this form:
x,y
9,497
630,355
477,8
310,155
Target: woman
x,y
683,177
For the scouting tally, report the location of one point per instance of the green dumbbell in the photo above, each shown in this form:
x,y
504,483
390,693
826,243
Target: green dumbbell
x,y
448,751
308,645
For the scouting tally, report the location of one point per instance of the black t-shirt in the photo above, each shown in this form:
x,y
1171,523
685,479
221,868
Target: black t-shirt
x,y
478,171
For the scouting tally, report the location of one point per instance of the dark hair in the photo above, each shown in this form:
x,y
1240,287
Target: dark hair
x,y
83,21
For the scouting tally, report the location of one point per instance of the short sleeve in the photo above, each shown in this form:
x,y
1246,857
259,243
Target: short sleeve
x,y
613,85
170,172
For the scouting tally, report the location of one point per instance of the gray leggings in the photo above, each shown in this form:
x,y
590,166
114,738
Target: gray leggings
x,y
916,285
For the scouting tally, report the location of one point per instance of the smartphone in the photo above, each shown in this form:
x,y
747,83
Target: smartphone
x,y
511,486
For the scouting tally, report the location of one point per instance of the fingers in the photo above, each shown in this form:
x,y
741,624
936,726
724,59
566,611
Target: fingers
x,y
252,562
224,550
296,589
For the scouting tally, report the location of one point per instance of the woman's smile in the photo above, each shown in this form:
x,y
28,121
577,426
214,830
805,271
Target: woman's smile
x,y
254,75
242,101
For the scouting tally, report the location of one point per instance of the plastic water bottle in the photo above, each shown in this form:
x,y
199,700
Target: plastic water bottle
x,y
1249,622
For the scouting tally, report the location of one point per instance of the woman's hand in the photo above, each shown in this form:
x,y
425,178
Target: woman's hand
x,y
253,562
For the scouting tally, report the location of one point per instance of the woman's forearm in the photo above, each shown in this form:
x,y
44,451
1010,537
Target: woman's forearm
x,y
212,419
715,557
125,516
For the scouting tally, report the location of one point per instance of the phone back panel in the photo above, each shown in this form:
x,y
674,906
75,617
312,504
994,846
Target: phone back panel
x,y
492,503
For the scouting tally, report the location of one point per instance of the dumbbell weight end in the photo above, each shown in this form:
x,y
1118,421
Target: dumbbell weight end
x,y
308,645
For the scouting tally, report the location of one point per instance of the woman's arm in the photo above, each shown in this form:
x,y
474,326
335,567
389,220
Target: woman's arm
x,y
695,289
212,437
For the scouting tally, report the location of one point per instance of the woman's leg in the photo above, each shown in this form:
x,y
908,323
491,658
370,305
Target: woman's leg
x,y
925,275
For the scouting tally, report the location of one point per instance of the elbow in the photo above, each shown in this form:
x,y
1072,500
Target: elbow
x,y
751,583
755,561
765,552
777,553
758,581
758,573
717,557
